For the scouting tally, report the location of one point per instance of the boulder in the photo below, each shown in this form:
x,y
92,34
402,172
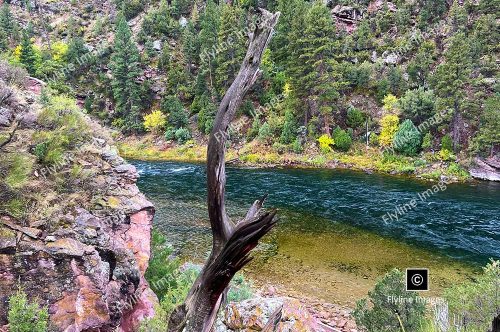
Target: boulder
x,y
253,315
486,169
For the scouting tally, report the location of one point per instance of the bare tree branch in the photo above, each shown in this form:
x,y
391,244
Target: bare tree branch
x,y
232,242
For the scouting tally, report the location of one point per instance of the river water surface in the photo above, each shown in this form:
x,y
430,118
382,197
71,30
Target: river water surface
x,y
332,241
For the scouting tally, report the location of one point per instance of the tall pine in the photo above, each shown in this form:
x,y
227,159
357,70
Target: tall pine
x,y
126,70
315,70
231,46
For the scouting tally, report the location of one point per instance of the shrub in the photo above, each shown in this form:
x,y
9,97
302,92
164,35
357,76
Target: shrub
x,y
177,116
297,146
374,139
418,104
379,313
24,316
476,302
254,129
170,134
264,133
239,289
427,141
182,135
155,121
342,139
446,143
325,143
389,124
289,128
355,118
446,155
407,139
390,103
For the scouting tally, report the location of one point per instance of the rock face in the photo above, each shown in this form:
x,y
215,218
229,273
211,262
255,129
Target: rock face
x,y
83,244
486,169
253,315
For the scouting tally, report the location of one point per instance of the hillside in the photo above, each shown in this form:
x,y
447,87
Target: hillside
x,y
400,87
74,228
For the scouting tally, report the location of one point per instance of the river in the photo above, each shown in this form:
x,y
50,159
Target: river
x,y
339,230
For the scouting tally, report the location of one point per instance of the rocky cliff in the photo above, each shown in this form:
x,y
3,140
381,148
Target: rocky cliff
x,y
74,228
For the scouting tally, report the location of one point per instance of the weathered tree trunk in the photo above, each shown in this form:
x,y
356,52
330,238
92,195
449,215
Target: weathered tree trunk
x,y
232,242
495,326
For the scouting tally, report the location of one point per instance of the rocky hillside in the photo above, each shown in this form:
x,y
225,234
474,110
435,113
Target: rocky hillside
x,y
74,228
407,86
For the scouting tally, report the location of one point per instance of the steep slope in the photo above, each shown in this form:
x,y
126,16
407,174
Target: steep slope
x,y
74,228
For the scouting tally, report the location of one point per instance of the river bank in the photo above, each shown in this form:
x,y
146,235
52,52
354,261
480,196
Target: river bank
x,y
331,242
428,167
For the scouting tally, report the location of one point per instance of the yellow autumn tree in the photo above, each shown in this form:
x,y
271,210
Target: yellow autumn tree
x,y
325,143
389,126
155,122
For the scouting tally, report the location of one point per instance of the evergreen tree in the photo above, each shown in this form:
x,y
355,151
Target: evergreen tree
x,y
451,79
7,22
230,47
315,70
177,116
126,70
488,137
289,132
28,55
190,44
209,24
418,104
407,139
292,14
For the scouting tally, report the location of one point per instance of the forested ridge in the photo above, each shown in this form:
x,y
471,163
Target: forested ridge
x,y
405,78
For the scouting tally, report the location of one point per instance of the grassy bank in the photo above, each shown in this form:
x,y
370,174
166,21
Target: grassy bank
x,y
428,166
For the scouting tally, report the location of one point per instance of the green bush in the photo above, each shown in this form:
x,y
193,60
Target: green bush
x,y
427,141
239,289
297,146
264,133
170,134
383,312
418,104
24,316
342,139
476,302
446,143
177,116
182,135
289,128
355,118
407,139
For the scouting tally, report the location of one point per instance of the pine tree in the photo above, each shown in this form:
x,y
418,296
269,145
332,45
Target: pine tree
x,y
209,24
126,70
451,79
28,55
7,22
289,24
190,44
230,47
315,70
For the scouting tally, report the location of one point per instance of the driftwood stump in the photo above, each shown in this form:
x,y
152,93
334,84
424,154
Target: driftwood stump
x,y
232,242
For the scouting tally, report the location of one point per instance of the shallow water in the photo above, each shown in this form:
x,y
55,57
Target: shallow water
x,y
332,241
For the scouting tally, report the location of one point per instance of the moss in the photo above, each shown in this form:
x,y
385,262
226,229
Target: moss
x,y
15,207
21,166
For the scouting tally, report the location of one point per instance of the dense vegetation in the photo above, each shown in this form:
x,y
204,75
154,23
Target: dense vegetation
x,y
400,76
